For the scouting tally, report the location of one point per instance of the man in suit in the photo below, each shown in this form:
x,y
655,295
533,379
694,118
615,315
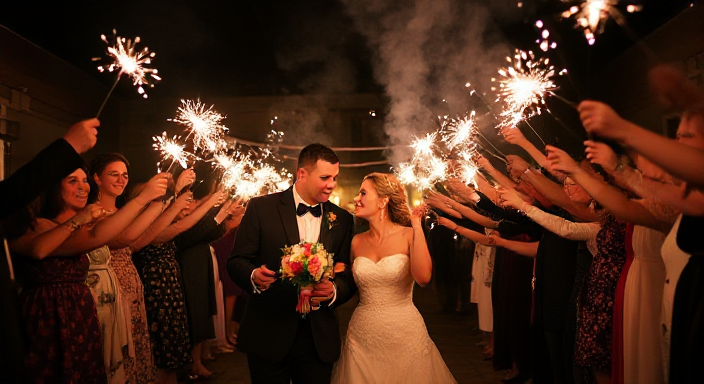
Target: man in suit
x,y
280,344
47,168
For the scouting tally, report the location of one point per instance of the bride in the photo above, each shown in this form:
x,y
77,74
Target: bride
x,y
387,341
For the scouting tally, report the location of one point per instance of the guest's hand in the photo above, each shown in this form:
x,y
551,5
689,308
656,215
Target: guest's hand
x,y
438,201
510,199
183,200
263,277
599,119
155,188
322,292
561,161
82,136
513,135
484,163
89,214
447,223
602,154
496,239
186,178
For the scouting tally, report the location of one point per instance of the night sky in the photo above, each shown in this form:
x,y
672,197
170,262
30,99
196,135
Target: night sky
x,y
280,47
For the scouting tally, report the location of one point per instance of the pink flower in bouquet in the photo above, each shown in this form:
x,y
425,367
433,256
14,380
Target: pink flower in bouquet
x,y
296,267
314,265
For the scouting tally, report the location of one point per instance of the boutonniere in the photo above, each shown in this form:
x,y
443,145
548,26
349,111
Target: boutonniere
x,y
331,217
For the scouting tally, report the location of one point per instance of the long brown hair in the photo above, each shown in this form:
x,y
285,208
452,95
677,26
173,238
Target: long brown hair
x,y
386,185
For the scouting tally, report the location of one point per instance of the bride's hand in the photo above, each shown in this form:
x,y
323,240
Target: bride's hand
x,y
418,213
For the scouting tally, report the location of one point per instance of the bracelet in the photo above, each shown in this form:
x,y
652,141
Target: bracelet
x,y
73,225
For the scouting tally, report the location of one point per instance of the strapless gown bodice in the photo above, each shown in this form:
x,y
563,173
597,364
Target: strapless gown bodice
x,y
387,341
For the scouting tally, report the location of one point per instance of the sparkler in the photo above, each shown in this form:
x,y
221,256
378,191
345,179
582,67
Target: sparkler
x,y
245,178
466,169
524,85
591,16
173,150
459,133
204,125
129,61
425,168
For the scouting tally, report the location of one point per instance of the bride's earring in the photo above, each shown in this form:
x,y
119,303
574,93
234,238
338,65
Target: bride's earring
x,y
99,194
382,211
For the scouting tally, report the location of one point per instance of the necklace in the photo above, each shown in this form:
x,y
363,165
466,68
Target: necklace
x,y
381,239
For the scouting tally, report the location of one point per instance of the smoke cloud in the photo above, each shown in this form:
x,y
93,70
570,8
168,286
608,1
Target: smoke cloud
x,y
425,51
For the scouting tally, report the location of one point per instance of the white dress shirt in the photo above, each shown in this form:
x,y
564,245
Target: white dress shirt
x,y
308,225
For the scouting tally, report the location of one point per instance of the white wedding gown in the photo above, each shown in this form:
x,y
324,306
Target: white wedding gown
x,y
387,341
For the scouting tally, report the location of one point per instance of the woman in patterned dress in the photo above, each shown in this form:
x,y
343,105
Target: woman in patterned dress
x,y
60,313
109,175
161,277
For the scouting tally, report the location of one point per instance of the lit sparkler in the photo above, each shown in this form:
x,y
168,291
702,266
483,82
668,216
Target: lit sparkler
x,y
172,150
204,125
524,85
129,61
466,169
459,133
245,178
425,168
591,16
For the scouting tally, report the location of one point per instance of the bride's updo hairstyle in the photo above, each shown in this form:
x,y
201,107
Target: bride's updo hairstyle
x,y
387,185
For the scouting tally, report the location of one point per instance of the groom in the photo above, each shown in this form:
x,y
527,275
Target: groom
x,y
280,345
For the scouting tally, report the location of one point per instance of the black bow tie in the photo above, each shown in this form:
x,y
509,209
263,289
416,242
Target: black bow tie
x,y
316,210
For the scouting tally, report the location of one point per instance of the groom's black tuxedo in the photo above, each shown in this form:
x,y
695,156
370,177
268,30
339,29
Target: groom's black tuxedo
x,y
270,323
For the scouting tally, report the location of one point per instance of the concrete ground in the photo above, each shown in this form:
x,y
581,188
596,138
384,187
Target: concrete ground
x,y
455,336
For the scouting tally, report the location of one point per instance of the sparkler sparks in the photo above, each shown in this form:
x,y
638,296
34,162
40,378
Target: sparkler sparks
x,y
591,16
204,125
173,150
425,168
523,86
130,61
459,133
466,169
245,178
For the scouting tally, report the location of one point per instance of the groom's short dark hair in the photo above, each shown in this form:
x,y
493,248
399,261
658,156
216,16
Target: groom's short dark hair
x,y
312,153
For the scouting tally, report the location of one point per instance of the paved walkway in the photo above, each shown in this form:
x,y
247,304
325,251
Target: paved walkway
x,y
454,335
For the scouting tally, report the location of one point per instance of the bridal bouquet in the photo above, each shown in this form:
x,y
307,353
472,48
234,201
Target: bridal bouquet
x,y
303,265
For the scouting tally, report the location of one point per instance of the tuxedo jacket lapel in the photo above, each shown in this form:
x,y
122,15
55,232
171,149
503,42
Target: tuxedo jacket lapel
x,y
325,237
287,210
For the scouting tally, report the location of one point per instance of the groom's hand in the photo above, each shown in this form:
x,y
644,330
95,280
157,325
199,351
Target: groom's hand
x,y
322,291
263,277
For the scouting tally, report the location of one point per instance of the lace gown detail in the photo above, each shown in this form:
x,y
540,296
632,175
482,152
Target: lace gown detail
x,y
387,341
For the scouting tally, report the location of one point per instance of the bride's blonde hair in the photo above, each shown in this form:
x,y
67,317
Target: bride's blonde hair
x,y
386,185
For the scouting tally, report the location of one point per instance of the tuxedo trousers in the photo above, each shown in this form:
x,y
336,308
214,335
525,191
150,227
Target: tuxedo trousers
x,y
302,365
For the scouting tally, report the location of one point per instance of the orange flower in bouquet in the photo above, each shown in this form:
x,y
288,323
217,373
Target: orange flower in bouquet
x,y
303,265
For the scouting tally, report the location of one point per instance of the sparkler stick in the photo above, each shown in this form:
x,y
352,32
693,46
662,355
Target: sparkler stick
x,y
492,145
100,110
130,62
570,103
536,133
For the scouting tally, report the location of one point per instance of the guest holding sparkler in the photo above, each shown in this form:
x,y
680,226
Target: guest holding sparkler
x,y
560,263
682,340
511,285
59,310
196,264
593,344
155,260
109,176
49,166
